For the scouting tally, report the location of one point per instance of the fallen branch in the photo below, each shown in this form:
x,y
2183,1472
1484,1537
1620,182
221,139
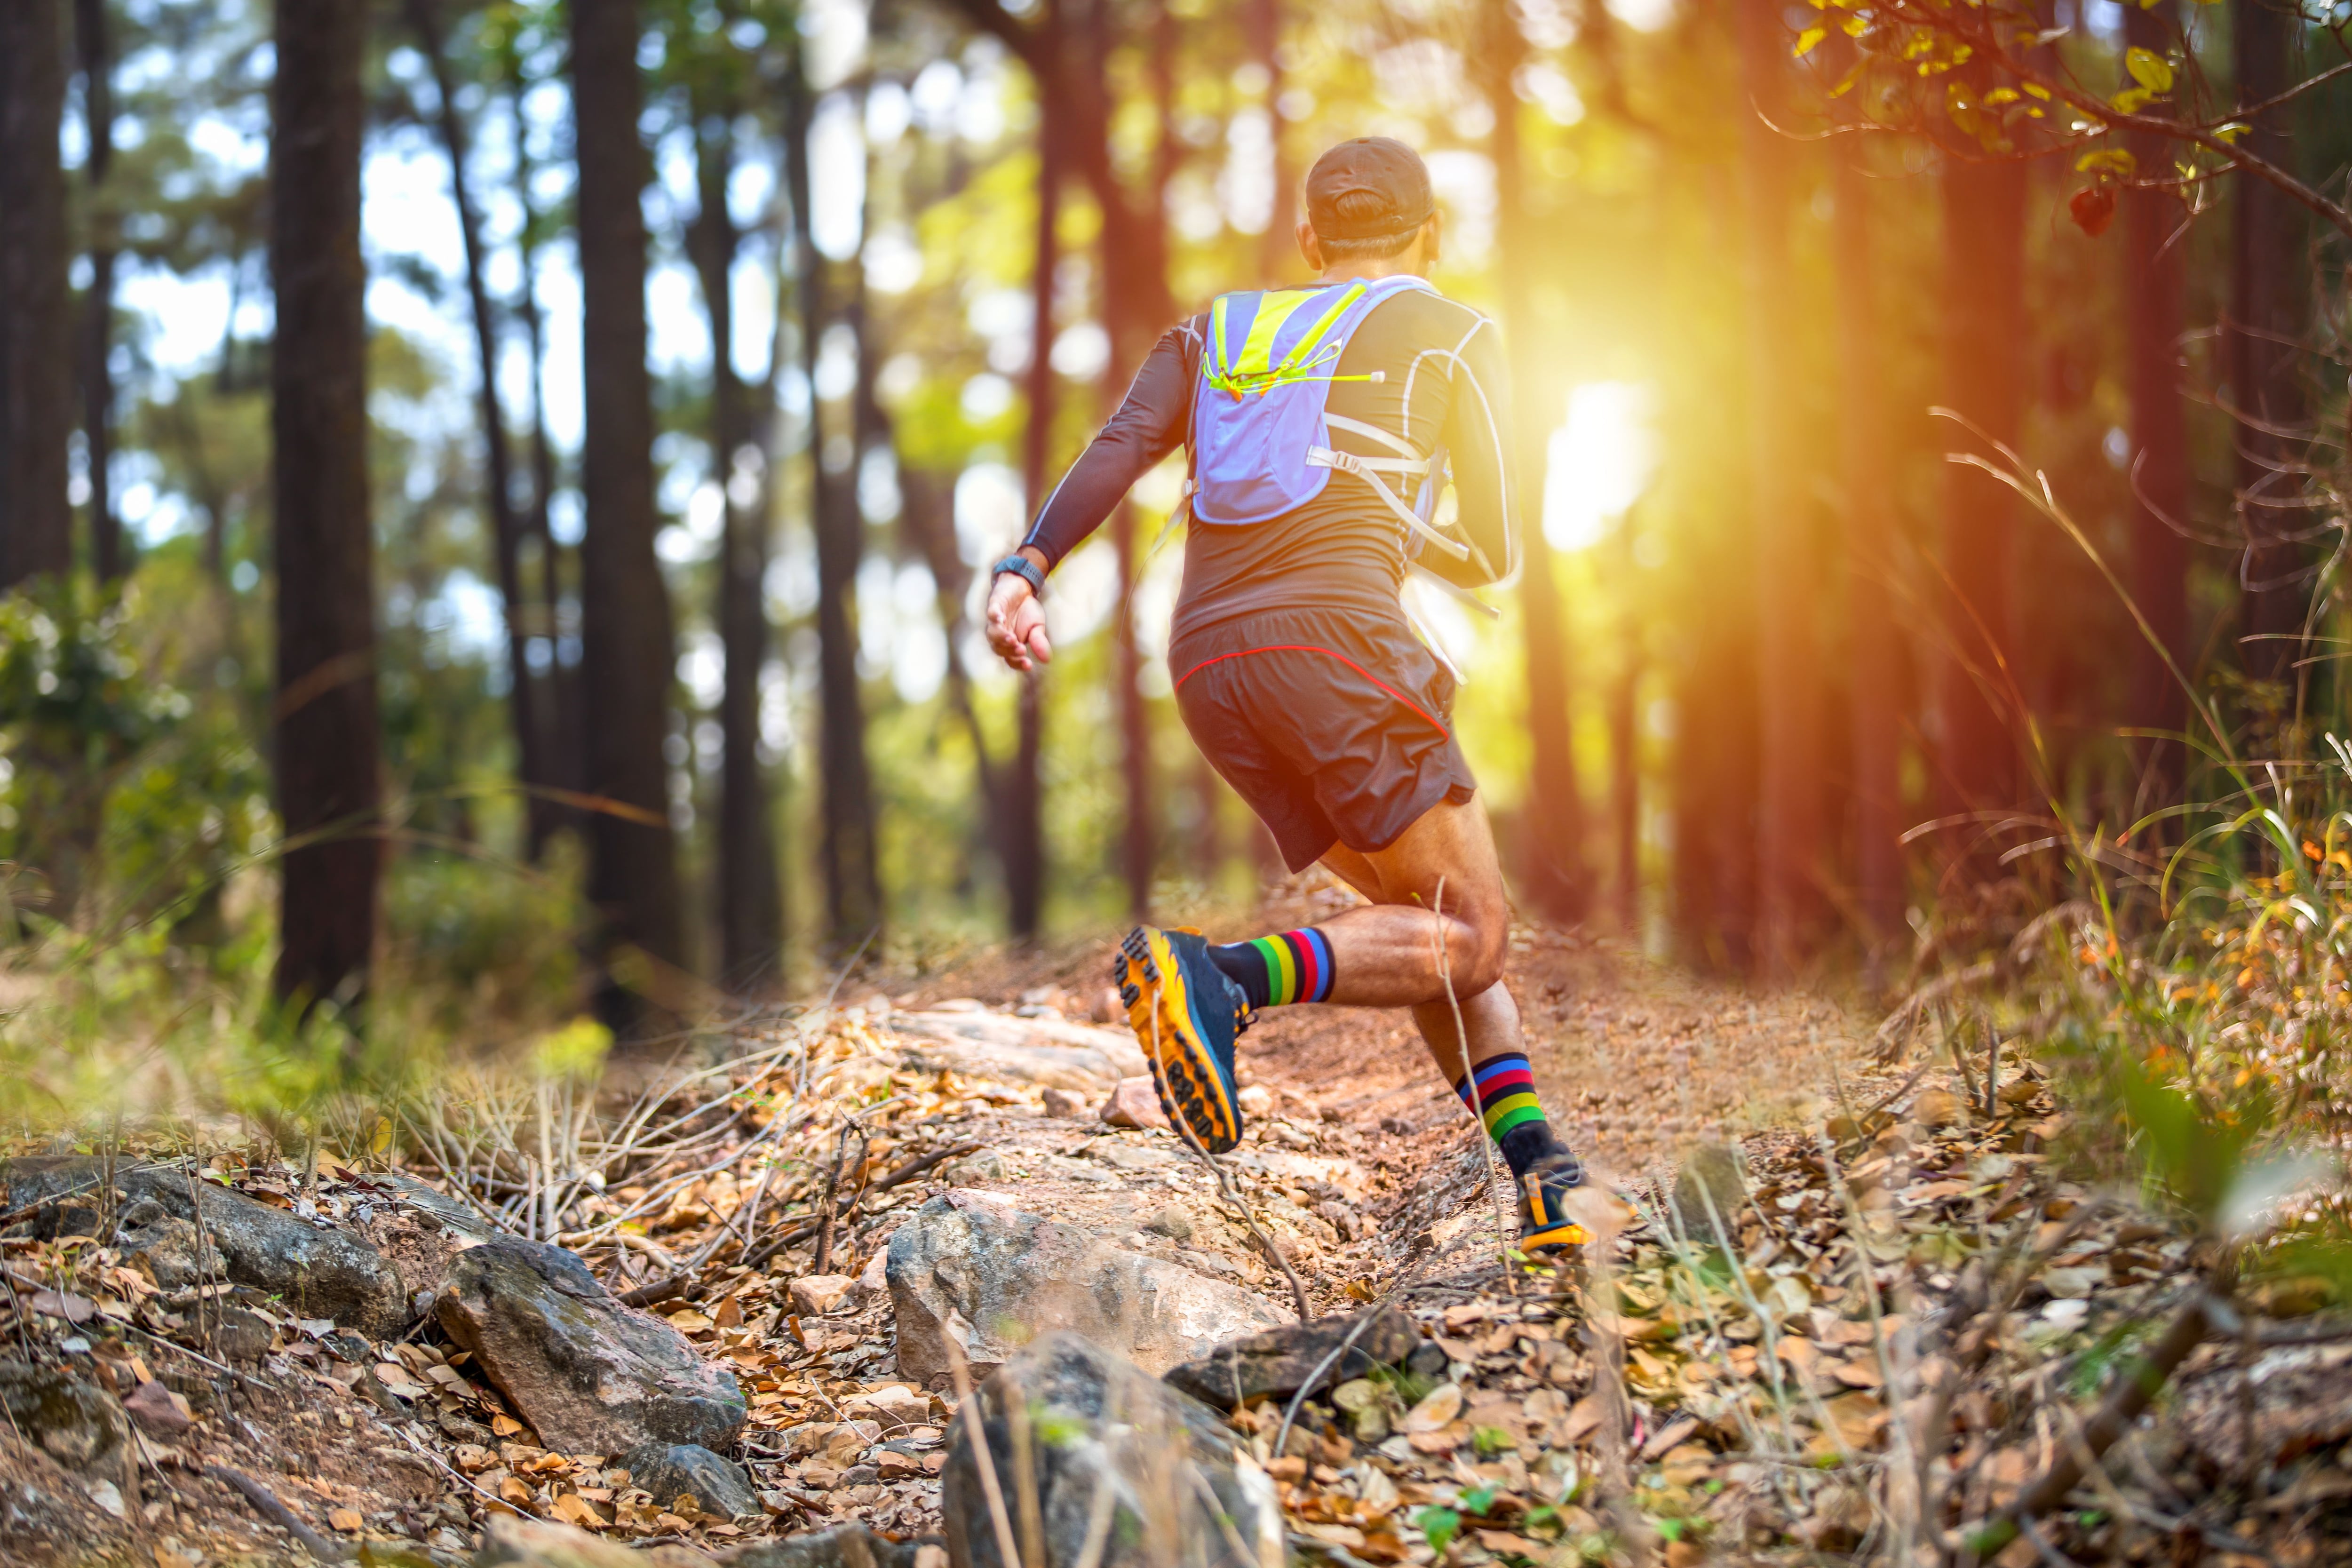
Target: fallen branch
x,y
267,1505
2136,1388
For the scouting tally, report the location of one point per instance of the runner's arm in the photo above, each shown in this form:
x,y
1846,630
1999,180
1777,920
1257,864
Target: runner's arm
x,y
1150,424
1485,484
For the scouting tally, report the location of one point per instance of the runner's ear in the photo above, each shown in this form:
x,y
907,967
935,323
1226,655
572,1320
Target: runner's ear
x,y
1433,233
1309,247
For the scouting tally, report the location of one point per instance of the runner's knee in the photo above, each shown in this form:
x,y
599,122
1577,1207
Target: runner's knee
x,y
1475,959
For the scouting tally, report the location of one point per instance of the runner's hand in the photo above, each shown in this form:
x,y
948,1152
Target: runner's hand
x,y
1016,624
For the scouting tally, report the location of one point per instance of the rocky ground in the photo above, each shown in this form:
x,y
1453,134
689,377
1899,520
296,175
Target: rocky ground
x,y
735,1318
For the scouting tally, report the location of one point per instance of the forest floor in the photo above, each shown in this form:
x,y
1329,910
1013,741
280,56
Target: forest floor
x,y
1651,1404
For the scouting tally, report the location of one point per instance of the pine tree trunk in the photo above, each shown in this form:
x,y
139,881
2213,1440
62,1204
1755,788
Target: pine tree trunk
x,y
1625,747
523,695
627,661
846,854
1021,834
36,352
1869,531
1788,666
562,717
751,915
1985,329
2153,289
326,744
1279,249
2267,321
1554,870
93,35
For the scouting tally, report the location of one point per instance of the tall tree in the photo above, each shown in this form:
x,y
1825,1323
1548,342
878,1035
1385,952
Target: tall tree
x,y
93,35
2154,284
563,718
1866,468
36,361
1136,306
1557,879
1787,667
1984,377
847,850
627,658
1021,833
326,753
751,906
1278,249
507,523
2261,337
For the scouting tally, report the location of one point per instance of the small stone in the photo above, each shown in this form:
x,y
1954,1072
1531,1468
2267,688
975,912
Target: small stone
x,y
815,1295
1171,1221
159,1410
1257,1101
1062,1103
1134,1104
105,1495
860,1475
873,1279
671,1470
1709,1194
348,1520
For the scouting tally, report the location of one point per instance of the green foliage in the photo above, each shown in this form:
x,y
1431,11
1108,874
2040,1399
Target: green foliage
x,y
1438,1526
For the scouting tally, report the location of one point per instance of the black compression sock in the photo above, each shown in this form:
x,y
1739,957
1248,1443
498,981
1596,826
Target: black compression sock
x,y
1276,971
1245,968
1527,1144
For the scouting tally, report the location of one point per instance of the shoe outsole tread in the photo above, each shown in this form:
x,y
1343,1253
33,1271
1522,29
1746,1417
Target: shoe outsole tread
x,y
1184,1069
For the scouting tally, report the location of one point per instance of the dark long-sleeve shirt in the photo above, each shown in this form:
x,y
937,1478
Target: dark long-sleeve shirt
x,y
1443,386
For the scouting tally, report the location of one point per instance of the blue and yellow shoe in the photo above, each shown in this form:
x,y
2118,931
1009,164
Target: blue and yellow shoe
x,y
1544,1225
1186,1013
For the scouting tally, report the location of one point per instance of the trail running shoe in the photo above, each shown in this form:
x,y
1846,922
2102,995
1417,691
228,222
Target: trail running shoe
x,y
1186,1013
1544,1225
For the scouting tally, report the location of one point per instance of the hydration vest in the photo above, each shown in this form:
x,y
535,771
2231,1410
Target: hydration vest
x,y
1261,433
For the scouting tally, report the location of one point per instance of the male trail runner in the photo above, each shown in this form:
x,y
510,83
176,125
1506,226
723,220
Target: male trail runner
x,y
1295,669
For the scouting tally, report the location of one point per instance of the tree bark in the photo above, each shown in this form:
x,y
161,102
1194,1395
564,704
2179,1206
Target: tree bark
x,y
1984,381
2153,291
1021,834
329,781
1624,746
1279,249
751,913
1556,877
563,718
498,500
848,854
36,357
2261,341
1788,665
627,658
93,35
1869,531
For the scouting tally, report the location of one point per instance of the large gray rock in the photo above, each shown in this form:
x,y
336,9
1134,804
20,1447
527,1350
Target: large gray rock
x,y
972,1269
1283,1361
591,1375
319,1269
1072,1057
669,1470
1118,1460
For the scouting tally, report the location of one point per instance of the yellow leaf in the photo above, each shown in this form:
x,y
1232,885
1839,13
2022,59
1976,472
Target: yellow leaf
x,y
2132,100
2115,161
1808,39
2230,133
2000,95
2149,68
2035,91
1856,27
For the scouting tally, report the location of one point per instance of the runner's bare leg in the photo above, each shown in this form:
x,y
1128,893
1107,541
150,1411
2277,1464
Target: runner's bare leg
x,y
1387,954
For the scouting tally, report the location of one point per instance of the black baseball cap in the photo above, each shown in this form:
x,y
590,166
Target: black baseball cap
x,y
1380,167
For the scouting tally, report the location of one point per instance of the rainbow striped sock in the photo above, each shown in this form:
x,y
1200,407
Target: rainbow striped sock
x,y
1506,1098
1276,971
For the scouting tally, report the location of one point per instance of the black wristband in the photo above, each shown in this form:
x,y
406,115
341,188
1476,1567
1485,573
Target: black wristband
x,y
1021,566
